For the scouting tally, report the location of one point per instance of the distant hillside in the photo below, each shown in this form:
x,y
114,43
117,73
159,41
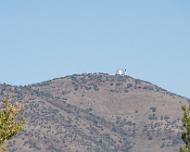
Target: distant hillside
x,y
96,113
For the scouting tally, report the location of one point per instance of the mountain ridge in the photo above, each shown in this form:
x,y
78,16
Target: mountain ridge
x,y
97,113
83,74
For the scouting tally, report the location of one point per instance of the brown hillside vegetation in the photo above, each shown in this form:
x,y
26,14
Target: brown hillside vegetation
x,y
97,113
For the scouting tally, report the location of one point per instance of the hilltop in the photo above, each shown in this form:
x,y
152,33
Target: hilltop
x,y
97,113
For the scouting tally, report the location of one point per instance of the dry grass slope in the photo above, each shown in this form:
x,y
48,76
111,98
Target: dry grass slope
x,y
96,113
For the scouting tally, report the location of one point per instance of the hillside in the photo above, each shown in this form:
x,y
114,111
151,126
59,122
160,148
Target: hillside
x,y
96,113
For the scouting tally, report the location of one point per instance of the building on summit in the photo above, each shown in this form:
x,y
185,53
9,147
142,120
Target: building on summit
x,y
121,72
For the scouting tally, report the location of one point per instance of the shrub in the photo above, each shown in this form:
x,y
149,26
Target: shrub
x,y
186,133
10,124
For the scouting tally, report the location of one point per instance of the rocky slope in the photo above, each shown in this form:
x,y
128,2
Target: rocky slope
x,y
96,113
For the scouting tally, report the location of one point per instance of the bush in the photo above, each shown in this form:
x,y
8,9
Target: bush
x,y
10,124
186,133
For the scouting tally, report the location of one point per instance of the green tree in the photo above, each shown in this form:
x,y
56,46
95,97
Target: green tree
x,y
186,132
10,124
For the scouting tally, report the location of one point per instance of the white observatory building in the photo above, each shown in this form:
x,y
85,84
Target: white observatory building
x,y
121,72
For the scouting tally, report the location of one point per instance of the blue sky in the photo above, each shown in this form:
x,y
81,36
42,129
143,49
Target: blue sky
x,y
44,39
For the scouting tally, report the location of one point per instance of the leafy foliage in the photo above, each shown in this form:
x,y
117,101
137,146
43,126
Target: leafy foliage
x,y
186,133
10,124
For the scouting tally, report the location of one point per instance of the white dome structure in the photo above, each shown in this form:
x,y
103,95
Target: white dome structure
x,y
120,72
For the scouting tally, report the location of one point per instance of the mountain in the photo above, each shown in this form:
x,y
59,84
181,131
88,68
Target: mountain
x,y
96,113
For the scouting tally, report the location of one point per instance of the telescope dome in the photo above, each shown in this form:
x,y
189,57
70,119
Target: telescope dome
x,y
120,72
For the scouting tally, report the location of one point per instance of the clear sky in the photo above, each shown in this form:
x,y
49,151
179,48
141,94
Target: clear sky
x,y
44,39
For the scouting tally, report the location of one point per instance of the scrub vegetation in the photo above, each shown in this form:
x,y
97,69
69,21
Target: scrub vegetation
x,y
10,124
